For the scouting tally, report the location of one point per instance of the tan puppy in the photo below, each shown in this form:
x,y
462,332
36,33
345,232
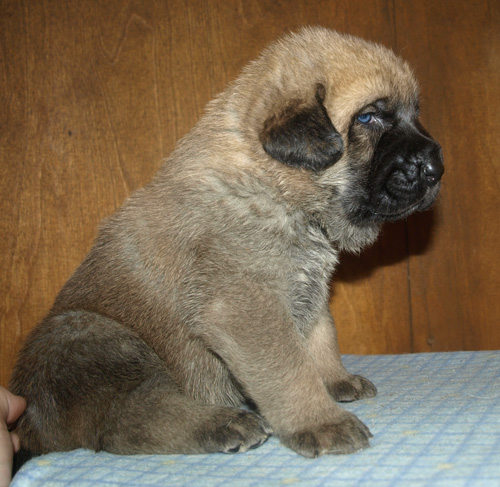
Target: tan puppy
x,y
209,288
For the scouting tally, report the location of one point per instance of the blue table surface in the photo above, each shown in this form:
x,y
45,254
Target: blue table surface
x,y
435,420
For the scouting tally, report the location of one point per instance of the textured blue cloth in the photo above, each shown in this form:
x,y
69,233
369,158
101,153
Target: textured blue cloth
x,y
436,422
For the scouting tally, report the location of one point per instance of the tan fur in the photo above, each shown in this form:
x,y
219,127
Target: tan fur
x,y
209,287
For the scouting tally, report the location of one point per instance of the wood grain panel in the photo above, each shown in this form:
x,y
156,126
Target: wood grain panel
x,y
94,95
455,280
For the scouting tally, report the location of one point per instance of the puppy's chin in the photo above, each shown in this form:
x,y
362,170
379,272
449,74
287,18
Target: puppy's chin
x,y
390,209
399,211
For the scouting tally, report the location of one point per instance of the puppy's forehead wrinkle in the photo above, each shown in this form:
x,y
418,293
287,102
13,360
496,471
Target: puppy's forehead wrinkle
x,y
346,103
349,68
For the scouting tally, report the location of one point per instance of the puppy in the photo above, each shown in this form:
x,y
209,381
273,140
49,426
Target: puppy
x,y
209,288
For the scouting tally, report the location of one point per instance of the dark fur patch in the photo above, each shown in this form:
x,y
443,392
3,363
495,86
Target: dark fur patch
x,y
303,135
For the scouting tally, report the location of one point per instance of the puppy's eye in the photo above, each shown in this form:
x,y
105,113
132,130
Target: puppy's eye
x,y
366,118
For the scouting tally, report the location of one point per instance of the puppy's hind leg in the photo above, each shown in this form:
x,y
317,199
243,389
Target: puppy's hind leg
x,y
91,382
155,419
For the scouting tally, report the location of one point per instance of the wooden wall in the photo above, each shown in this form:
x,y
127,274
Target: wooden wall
x,y
93,94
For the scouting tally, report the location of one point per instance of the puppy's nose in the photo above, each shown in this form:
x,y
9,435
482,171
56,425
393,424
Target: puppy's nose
x,y
433,171
430,160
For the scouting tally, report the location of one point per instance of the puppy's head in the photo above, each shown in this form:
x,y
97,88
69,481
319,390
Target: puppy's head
x,y
344,112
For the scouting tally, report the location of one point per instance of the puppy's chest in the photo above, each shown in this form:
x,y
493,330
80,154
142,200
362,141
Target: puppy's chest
x,y
312,263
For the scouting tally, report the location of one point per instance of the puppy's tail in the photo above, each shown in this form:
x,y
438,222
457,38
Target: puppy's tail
x,y
20,458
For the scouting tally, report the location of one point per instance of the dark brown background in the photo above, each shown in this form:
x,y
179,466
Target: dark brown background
x,y
95,93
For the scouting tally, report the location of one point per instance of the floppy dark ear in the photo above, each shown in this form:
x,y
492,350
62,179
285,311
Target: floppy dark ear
x,y
303,135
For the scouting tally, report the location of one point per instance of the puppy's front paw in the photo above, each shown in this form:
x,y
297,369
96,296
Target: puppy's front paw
x,y
347,435
352,388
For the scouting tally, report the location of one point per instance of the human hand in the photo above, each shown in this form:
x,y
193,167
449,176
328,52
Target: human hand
x,y
11,407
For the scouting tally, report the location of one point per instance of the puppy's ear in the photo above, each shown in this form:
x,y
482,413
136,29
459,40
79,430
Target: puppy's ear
x,y
303,135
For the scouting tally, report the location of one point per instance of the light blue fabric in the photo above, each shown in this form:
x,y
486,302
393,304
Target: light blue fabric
x,y
436,423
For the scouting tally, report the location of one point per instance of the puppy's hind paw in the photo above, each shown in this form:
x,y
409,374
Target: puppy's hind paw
x,y
234,431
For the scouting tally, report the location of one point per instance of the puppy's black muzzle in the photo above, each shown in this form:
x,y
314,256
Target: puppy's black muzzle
x,y
406,172
414,162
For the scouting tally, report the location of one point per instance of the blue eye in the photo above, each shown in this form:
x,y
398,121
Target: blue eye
x,y
365,117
